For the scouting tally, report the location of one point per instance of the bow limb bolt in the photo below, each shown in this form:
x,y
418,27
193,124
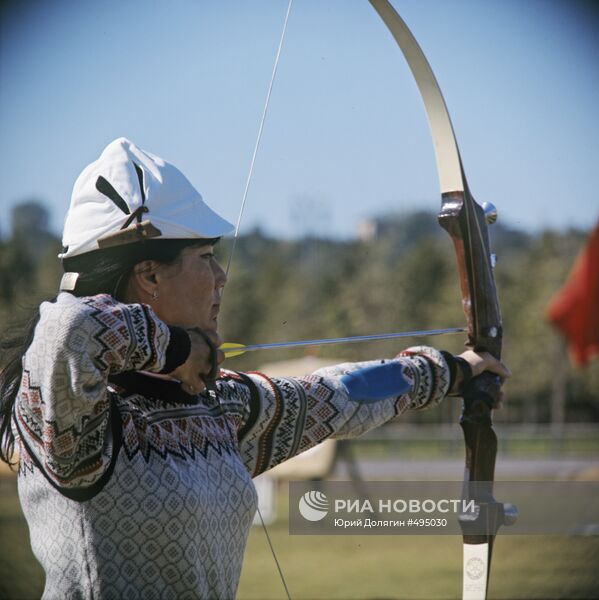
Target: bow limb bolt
x,y
464,220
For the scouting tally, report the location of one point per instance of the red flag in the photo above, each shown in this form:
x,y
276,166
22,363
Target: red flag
x,y
574,310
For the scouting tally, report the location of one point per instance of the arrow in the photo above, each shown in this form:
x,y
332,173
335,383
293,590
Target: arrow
x,y
232,349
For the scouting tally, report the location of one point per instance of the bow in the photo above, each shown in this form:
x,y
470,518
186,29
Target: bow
x,y
465,222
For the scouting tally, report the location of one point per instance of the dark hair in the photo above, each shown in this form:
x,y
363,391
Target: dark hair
x,y
100,271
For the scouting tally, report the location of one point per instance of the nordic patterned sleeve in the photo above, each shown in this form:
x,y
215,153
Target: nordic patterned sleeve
x,y
63,409
285,416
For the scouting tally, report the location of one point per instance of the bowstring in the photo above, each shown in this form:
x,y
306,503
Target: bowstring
x,y
274,555
238,225
259,136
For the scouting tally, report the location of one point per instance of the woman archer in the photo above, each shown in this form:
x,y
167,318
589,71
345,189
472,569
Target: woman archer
x,y
135,479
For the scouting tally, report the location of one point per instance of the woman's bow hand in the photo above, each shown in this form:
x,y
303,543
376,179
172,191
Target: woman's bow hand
x,y
479,362
483,361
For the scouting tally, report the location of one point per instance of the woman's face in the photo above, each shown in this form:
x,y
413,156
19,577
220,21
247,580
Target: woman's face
x,y
187,293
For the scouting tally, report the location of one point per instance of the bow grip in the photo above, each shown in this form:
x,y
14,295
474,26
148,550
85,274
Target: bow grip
x,y
481,395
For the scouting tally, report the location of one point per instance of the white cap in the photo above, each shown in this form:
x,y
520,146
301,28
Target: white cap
x,y
124,186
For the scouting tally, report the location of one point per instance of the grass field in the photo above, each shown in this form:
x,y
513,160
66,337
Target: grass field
x,y
366,567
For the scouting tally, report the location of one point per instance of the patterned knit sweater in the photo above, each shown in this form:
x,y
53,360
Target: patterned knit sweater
x,y
134,489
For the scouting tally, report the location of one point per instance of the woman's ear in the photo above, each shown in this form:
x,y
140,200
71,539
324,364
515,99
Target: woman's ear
x,y
143,283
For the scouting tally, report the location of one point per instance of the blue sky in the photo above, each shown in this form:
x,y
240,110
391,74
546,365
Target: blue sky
x,y
346,136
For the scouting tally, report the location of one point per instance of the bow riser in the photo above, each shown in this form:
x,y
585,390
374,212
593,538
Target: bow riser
x,y
465,222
